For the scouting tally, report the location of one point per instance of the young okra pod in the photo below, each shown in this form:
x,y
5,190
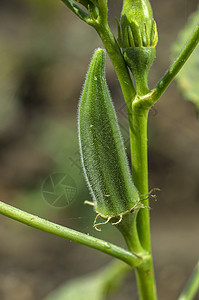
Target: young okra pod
x,y
102,150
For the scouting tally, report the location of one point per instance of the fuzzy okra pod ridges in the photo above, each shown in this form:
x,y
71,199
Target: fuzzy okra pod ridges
x,y
102,150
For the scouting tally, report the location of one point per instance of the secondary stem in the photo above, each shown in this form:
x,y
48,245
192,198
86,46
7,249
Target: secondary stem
x,y
177,65
70,234
192,285
152,97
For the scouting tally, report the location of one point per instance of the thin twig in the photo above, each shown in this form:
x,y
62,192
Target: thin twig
x,y
192,285
69,234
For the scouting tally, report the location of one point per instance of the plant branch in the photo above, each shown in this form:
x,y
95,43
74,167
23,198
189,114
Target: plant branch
x,y
150,99
70,234
77,10
192,285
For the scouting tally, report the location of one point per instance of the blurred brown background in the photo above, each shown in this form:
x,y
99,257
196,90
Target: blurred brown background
x,y
44,55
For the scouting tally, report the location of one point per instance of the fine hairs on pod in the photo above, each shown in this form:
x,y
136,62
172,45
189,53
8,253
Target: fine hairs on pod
x,y
102,150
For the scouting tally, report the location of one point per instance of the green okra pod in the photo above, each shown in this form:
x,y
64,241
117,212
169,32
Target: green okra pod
x,y
102,150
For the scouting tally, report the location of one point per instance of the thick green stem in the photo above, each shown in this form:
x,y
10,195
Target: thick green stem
x,y
138,137
70,234
146,281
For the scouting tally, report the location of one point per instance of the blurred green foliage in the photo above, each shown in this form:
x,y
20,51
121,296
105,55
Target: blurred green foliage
x,y
187,78
96,286
37,131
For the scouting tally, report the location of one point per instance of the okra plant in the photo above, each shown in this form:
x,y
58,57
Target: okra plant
x,y
120,197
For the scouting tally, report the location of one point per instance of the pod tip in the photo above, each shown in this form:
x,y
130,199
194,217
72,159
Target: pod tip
x,y
98,50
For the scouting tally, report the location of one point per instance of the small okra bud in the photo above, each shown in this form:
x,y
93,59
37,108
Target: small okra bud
x,y
139,38
102,150
138,17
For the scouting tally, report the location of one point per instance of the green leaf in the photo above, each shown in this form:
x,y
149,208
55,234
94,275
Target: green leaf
x,y
95,286
187,79
83,288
